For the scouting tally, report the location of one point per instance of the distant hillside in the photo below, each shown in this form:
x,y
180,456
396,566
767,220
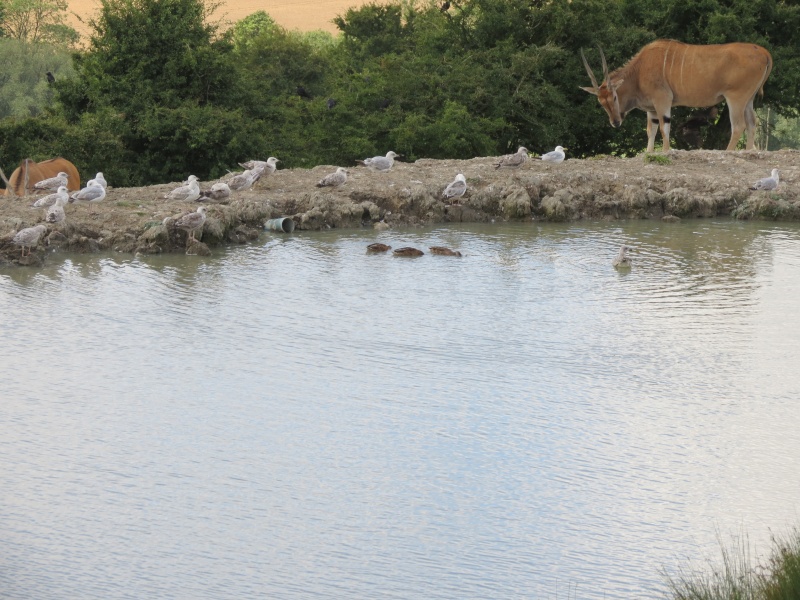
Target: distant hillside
x,y
305,15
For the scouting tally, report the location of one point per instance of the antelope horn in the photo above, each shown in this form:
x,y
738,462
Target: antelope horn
x,y
589,70
605,65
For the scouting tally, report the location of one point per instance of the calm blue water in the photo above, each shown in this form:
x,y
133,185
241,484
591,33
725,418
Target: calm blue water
x,y
297,419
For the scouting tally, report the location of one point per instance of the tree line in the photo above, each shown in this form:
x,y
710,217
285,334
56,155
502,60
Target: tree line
x,y
162,89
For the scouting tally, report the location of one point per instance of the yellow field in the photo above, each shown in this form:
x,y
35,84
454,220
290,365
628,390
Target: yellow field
x,y
304,15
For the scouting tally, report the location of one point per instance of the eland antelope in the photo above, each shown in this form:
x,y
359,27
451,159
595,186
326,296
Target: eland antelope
x,y
666,73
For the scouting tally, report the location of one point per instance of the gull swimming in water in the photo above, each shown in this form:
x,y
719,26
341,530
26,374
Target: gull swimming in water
x,y
50,199
218,191
380,163
56,214
28,237
53,183
456,188
192,221
189,192
336,179
99,178
243,181
556,156
513,161
622,260
444,251
94,192
768,183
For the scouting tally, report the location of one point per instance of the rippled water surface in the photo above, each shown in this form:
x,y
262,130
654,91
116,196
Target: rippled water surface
x,y
297,419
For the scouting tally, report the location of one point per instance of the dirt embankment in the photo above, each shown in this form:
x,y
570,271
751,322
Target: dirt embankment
x,y
682,184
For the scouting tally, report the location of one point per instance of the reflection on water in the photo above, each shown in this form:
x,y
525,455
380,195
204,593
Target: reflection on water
x,y
296,418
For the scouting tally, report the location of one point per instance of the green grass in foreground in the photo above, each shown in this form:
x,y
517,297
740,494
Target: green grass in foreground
x,y
738,578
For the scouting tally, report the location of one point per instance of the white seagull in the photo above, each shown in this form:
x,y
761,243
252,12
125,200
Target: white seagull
x,y
53,183
50,199
380,163
556,156
56,214
768,183
93,192
28,237
188,192
99,178
513,161
456,188
336,179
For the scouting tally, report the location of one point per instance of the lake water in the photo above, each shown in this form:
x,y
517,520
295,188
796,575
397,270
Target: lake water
x,y
297,419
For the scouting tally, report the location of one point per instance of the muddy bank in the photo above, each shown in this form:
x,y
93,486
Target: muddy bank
x,y
679,185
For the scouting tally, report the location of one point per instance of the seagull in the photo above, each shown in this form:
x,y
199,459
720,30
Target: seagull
x,y
192,221
93,192
56,214
456,188
336,179
622,260
513,161
50,199
768,183
243,181
556,156
29,237
53,183
98,179
218,191
189,192
380,163
261,167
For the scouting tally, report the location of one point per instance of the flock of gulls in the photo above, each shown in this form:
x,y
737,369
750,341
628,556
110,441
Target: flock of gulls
x,y
95,191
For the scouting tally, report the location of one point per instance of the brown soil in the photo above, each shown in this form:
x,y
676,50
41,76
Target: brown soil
x,y
693,184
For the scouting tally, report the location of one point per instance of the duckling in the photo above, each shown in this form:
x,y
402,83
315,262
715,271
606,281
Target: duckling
x,y
622,260
442,251
378,247
408,251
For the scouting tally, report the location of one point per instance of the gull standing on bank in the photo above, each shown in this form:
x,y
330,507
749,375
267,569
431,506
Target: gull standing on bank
x,y
513,161
28,237
218,191
556,156
335,179
92,193
768,183
456,188
192,221
56,214
189,192
53,183
50,199
380,163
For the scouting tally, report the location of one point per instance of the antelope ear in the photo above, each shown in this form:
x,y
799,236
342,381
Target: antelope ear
x,y
591,90
616,84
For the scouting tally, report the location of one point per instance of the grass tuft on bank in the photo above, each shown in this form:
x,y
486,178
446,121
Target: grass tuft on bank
x,y
738,577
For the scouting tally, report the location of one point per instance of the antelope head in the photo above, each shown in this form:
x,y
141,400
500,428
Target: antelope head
x,y
606,92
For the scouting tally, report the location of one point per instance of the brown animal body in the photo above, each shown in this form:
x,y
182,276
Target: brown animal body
x,y
666,73
39,172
